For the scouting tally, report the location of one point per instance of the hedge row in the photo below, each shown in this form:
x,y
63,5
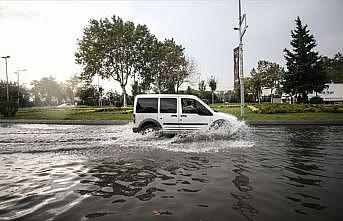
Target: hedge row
x,y
114,109
294,108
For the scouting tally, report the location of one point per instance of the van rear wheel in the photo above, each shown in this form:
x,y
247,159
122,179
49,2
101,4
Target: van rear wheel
x,y
149,128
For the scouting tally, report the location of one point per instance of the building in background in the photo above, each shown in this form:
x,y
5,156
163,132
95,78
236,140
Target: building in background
x,y
332,94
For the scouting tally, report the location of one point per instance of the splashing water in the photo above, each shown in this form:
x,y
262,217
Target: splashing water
x,y
230,135
92,139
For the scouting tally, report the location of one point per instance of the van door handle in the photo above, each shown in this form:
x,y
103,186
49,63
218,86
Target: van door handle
x,y
183,115
173,115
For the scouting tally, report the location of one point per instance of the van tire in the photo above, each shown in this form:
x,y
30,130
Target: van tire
x,y
218,124
149,128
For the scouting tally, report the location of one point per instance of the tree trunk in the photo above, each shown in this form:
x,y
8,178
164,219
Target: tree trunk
x,y
124,96
212,97
305,98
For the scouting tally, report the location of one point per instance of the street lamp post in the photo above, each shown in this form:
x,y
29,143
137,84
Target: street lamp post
x,y
7,91
18,83
242,30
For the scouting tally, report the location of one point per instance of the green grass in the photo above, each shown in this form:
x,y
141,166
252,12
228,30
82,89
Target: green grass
x,y
97,113
282,116
70,114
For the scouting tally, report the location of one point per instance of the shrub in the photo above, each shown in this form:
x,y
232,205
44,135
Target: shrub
x,y
8,108
316,100
294,108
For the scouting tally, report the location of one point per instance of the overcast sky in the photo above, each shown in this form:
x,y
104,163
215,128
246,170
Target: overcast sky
x,y
41,36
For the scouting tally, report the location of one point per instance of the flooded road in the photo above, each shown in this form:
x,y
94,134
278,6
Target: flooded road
x,y
60,172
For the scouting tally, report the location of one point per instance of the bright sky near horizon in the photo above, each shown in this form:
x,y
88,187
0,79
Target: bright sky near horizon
x,y
41,36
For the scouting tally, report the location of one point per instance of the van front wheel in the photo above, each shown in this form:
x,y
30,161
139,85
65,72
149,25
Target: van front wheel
x,y
219,124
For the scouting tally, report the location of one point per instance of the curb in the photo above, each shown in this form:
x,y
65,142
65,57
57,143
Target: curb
x,y
298,122
66,122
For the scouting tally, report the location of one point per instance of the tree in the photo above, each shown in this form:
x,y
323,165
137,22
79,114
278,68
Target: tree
x,y
270,75
24,95
170,66
202,85
135,88
212,83
8,107
47,91
187,70
88,95
333,68
254,84
144,60
304,70
71,85
113,98
113,49
231,96
188,90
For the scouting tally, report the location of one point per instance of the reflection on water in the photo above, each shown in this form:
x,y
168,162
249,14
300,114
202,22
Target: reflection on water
x,y
305,163
107,173
242,183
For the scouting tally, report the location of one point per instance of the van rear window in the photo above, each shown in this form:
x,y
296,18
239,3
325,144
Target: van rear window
x,y
146,105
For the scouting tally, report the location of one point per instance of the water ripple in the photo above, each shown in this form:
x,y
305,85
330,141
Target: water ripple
x,y
106,172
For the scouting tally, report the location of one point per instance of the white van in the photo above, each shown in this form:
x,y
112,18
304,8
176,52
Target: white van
x,y
173,113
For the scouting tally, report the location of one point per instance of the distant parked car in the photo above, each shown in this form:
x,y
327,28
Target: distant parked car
x,y
65,105
173,113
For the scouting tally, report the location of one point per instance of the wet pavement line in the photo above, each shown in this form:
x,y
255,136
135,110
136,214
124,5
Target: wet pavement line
x,y
122,122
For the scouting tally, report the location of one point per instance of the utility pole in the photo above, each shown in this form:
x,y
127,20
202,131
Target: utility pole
x,y
242,30
18,83
7,92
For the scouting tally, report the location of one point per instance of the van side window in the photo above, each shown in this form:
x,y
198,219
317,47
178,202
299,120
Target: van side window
x,y
188,106
168,105
146,105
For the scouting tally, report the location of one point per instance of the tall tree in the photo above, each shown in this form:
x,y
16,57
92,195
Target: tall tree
x,y
113,49
212,83
304,71
202,85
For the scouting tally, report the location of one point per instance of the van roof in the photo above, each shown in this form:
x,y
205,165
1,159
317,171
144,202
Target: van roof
x,y
164,95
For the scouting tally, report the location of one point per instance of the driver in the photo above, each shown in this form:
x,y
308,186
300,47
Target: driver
x,y
188,107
